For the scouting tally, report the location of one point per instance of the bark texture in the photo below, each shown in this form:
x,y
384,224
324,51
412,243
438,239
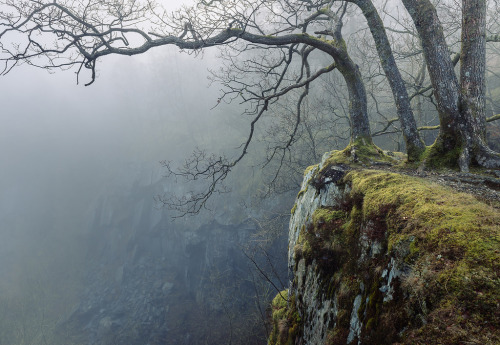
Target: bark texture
x,y
473,61
414,144
473,84
358,111
460,106
439,64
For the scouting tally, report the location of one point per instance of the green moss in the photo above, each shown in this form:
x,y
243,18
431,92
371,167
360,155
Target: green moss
x,y
372,305
286,321
361,309
438,157
279,304
327,215
449,241
350,236
361,151
398,156
302,192
370,324
414,250
452,243
306,172
307,250
294,208
310,168
445,217
303,248
325,240
333,285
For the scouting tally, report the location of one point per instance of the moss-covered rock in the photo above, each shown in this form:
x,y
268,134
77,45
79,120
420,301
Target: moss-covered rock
x,y
394,259
286,323
454,254
360,153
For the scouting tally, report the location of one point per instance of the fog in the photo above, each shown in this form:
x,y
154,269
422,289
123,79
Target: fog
x,y
62,141
65,146
88,255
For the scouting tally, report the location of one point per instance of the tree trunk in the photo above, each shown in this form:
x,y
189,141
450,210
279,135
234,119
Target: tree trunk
x,y
414,145
358,111
473,85
440,67
461,135
418,100
473,61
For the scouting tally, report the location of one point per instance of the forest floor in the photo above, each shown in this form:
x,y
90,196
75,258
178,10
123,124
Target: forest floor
x,y
484,188
484,185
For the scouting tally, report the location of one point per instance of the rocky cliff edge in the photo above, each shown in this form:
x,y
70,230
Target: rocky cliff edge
x,y
378,257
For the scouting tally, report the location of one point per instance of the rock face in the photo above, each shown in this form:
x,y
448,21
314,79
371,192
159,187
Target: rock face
x,y
154,281
382,258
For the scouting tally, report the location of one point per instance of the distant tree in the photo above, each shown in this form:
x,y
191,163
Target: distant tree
x,y
269,45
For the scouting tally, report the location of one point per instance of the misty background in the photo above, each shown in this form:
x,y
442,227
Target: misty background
x,y
65,144
65,148
88,257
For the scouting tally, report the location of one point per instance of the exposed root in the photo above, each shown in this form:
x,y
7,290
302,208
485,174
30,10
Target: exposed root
x,y
487,158
438,156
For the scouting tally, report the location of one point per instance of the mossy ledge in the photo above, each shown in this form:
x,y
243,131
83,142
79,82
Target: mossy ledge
x,y
361,153
393,259
285,320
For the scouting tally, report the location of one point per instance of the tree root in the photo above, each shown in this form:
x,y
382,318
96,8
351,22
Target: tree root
x,y
487,158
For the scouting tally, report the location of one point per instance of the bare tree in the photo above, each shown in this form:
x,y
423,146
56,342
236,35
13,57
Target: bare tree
x,y
282,36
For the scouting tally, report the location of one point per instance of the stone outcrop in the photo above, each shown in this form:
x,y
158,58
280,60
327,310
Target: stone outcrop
x,y
378,257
